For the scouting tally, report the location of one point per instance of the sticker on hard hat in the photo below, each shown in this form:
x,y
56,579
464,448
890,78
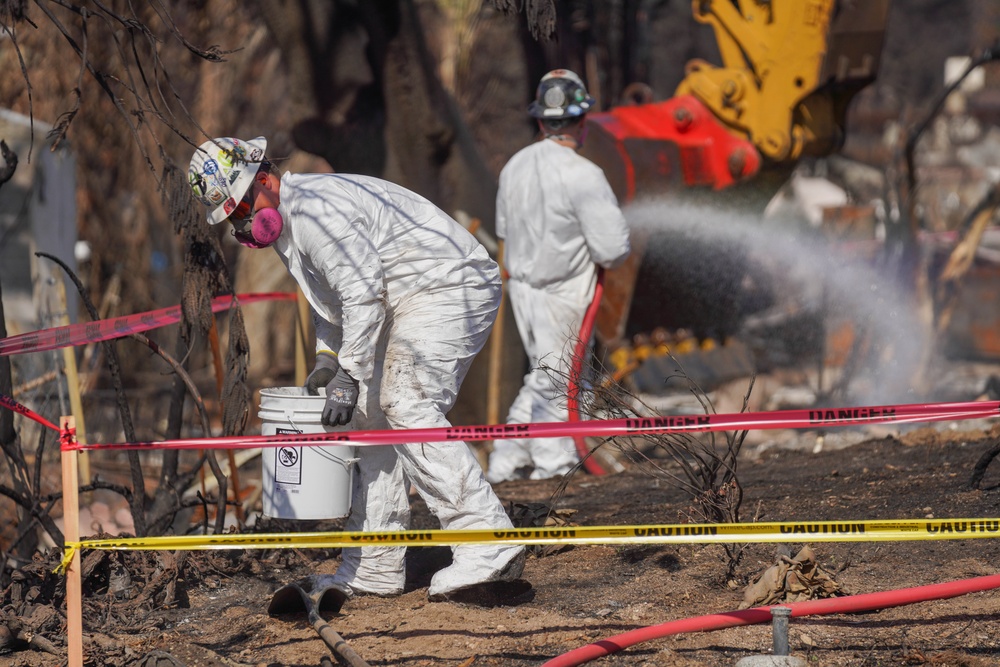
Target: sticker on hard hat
x,y
198,184
554,97
215,195
229,158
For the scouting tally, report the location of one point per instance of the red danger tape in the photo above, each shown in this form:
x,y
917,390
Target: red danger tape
x,y
11,404
101,330
781,419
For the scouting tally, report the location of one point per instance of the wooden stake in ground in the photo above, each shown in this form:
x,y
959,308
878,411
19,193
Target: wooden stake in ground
x,y
73,386
71,533
496,352
301,334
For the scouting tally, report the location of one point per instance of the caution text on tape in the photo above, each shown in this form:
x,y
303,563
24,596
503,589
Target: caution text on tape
x,y
789,531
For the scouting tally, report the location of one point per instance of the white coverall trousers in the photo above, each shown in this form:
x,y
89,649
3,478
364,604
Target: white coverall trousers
x,y
548,321
429,342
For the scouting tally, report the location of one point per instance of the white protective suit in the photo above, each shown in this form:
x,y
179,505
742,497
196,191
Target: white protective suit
x,y
406,296
559,220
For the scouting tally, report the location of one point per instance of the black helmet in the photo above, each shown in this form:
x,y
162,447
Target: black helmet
x,y
560,94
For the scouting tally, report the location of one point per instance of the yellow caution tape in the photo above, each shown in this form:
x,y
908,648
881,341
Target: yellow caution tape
x,y
67,558
687,533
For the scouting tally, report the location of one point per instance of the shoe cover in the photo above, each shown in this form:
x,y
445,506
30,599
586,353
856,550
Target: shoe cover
x,y
539,473
375,573
509,460
473,565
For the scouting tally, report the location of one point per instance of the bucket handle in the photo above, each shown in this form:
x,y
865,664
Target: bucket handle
x,y
288,416
347,463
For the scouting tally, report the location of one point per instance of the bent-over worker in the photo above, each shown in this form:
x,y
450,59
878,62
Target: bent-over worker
x,y
403,298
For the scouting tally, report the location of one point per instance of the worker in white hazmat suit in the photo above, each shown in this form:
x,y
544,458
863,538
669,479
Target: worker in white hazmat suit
x,y
559,220
403,299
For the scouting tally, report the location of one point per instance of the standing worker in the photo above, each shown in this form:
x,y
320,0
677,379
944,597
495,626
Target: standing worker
x,y
559,221
403,298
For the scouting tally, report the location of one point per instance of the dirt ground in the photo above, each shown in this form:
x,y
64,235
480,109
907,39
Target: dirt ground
x,y
586,593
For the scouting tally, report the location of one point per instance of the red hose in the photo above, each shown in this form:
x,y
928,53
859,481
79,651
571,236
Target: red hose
x,y
579,356
841,605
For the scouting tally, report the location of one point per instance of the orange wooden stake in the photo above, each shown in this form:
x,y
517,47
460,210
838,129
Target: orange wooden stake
x,y
71,533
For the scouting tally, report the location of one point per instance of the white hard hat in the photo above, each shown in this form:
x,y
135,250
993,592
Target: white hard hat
x,y
221,172
561,94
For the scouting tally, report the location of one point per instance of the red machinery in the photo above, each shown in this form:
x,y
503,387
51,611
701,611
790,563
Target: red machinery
x,y
790,69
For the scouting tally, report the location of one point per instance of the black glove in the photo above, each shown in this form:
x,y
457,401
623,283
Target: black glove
x,y
327,365
341,398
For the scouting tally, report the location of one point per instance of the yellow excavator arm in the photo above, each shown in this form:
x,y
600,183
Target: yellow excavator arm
x,y
789,69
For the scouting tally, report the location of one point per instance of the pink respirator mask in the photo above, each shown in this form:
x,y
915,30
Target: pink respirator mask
x,y
265,228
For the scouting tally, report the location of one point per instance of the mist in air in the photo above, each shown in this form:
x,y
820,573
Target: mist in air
x,y
717,272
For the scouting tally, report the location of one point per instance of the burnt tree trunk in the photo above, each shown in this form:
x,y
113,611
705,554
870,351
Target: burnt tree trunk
x,y
366,96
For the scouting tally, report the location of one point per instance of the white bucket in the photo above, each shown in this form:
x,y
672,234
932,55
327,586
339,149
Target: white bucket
x,y
302,482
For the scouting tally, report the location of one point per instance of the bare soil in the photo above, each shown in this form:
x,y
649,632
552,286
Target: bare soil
x,y
212,610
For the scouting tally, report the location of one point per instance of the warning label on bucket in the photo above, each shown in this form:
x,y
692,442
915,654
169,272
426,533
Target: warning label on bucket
x,y
287,461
